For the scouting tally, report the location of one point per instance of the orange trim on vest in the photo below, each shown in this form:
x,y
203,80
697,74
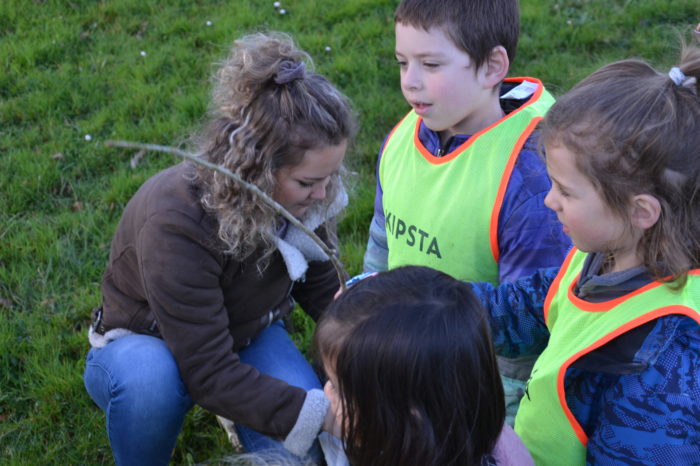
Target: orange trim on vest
x,y
648,317
557,281
607,305
495,213
446,158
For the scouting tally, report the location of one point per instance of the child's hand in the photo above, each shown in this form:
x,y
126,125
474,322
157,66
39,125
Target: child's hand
x,y
330,423
354,280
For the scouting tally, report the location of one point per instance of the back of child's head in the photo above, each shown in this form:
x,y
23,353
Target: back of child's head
x,y
475,26
415,370
635,131
268,109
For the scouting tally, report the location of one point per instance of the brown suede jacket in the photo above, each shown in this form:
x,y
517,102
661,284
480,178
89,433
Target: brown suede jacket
x,y
167,277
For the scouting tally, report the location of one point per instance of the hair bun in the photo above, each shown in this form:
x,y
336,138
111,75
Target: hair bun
x,y
290,71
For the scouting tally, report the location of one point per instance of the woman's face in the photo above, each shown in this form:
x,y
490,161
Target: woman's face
x,y
299,186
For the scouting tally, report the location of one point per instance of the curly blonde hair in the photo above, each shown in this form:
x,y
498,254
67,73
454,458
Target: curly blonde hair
x,y
268,108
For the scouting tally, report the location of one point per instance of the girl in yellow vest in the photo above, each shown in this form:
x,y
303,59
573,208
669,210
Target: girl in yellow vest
x,y
618,325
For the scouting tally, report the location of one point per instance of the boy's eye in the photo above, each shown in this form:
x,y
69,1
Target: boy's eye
x,y
431,65
563,192
401,63
304,184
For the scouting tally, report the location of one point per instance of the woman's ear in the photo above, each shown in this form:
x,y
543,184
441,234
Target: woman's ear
x,y
495,68
646,210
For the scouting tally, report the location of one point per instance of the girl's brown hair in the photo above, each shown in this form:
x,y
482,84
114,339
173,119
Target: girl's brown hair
x,y
637,131
415,368
268,108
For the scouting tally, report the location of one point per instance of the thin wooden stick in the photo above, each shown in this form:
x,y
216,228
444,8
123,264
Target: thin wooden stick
x,y
249,186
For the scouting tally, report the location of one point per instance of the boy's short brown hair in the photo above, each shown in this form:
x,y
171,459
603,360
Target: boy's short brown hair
x,y
475,26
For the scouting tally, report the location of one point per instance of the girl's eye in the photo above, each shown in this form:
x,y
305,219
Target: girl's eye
x,y
304,184
563,192
431,65
401,63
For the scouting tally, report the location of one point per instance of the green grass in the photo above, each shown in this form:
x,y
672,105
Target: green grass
x,y
74,68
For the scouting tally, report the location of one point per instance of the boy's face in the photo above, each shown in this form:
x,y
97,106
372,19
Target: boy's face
x,y
441,84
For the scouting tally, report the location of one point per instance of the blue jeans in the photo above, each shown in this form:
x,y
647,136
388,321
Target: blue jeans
x,y
136,382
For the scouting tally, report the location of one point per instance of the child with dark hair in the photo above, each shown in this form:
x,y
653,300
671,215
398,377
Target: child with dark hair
x,y
460,184
202,272
618,381
413,378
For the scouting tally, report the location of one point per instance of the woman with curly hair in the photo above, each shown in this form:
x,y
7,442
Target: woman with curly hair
x,y
201,271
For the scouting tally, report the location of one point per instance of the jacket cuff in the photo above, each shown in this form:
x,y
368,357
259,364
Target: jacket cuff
x,y
309,422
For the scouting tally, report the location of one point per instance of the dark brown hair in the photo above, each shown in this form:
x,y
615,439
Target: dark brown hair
x,y
637,131
475,26
415,369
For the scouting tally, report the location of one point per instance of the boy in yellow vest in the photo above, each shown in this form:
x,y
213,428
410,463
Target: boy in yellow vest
x,y
460,185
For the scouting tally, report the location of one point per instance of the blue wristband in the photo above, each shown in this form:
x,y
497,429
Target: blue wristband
x,y
359,277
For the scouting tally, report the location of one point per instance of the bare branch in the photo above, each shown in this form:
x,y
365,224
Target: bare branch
x,y
249,186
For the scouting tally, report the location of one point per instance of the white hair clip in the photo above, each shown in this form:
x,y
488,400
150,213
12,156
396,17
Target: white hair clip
x,y
676,76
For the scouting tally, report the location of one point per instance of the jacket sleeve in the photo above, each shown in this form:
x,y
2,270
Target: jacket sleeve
x,y
377,252
530,237
181,276
516,313
650,417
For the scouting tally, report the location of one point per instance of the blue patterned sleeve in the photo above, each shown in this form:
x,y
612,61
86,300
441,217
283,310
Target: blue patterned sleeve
x,y
516,313
652,417
530,236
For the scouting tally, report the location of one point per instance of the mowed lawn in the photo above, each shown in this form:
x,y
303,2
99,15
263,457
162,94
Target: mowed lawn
x,y
77,73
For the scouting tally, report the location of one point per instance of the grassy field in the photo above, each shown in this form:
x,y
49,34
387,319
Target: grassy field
x,y
76,73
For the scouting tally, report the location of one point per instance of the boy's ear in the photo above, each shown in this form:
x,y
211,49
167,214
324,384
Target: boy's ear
x,y
646,210
496,67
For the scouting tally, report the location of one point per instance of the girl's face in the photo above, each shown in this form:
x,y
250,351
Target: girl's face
x,y
585,216
299,186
